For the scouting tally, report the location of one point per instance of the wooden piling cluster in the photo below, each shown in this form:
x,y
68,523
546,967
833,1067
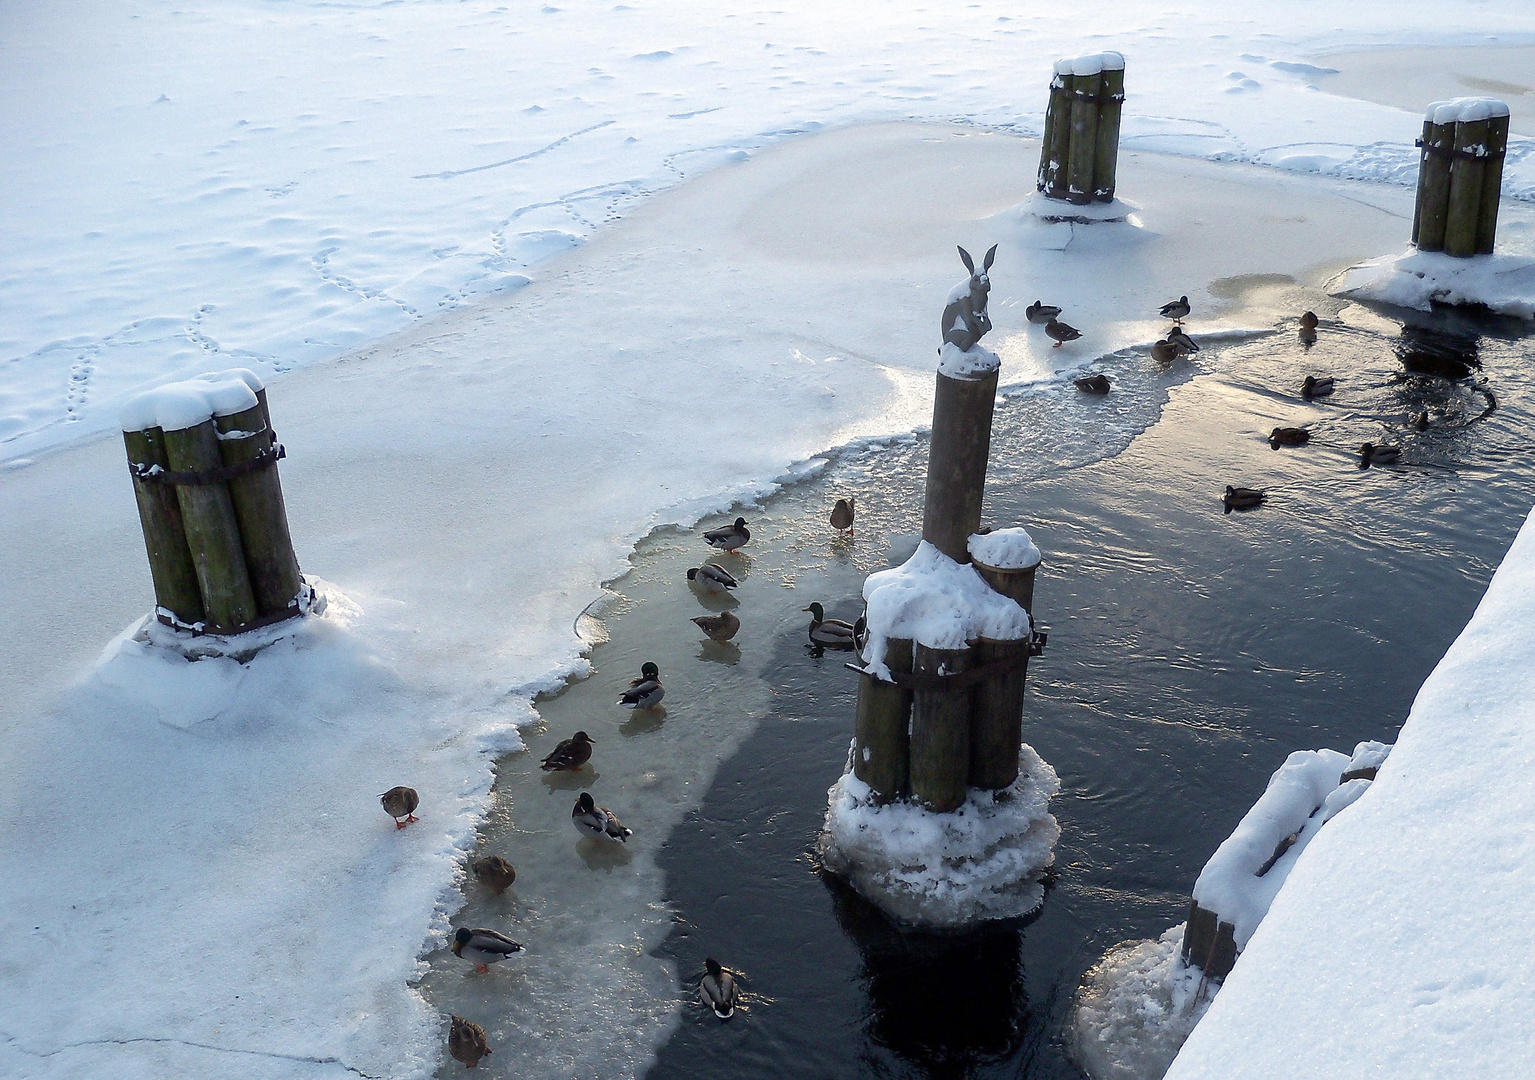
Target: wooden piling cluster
x,y
1460,176
1079,154
211,507
949,719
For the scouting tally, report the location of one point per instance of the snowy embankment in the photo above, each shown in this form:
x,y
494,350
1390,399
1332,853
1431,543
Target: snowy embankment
x,y
1400,943
467,486
267,185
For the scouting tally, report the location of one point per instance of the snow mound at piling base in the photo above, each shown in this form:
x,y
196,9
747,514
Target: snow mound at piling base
x,y
1504,284
983,861
1135,1008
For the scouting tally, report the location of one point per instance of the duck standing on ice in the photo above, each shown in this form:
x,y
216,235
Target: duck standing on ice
x,y
1176,310
467,1042
842,516
729,537
598,822
1039,313
570,754
400,803
646,691
711,579
482,947
1061,333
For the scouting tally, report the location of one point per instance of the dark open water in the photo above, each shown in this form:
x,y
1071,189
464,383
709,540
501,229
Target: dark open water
x,y
1190,651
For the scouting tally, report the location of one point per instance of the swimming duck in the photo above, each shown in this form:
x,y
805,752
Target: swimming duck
x,y
598,822
1181,341
1241,498
721,627
1093,384
833,633
729,537
718,989
1420,422
1308,321
1315,388
570,755
1164,352
495,872
842,516
712,579
482,947
1041,313
1177,310
401,802
466,1042
1289,436
646,691
1061,332
1370,454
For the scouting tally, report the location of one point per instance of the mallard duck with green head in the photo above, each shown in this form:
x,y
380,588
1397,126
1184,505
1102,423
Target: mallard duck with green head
x,y
718,989
482,947
646,691
833,633
729,537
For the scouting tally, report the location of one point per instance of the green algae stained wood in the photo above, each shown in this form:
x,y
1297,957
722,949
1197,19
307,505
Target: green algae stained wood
x,y
165,541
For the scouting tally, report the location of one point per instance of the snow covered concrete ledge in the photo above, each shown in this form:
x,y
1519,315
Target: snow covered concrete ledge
x,y
983,861
1400,945
1502,283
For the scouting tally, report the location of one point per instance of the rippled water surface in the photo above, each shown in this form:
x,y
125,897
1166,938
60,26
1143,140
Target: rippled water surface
x,y
1190,651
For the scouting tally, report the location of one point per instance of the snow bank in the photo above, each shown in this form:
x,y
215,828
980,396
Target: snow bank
x,y
1005,549
983,861
179,405
937,602
1135,1008
969,364
1400,945
1503,283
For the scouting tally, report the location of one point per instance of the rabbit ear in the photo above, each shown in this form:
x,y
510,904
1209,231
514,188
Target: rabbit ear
x,y
965,257
990,255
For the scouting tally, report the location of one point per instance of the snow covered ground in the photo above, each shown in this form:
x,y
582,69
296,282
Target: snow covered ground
x,y
197,877
1399,944
265,184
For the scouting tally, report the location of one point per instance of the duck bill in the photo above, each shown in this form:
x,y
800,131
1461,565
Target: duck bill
x,y
457,949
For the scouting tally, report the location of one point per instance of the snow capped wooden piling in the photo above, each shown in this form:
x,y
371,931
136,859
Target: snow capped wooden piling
x,y
1079,153
1460,176
204,465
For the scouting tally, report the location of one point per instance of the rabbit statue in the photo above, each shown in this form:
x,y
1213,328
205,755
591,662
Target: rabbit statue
x,y
965,320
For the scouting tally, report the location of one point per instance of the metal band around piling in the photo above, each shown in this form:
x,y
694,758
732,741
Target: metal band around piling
x,y
155,474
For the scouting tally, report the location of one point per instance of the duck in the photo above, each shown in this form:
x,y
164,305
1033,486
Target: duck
x,y
646,691
1420,421
400,803
1177,310
1093,384
1061,332
712,579
570,754
729,537
1041,313
1241,498
1370,454
1289,436
482,947
721,627
1315,388
1308,322
833,633
1164,352
1181,341
718,989
495,872
598,822
467,1043
842,516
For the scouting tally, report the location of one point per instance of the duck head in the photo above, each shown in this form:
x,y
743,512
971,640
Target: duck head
x,y
460,939
713,967
693,573
740,523
649,670
581,737
817,612
585,804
